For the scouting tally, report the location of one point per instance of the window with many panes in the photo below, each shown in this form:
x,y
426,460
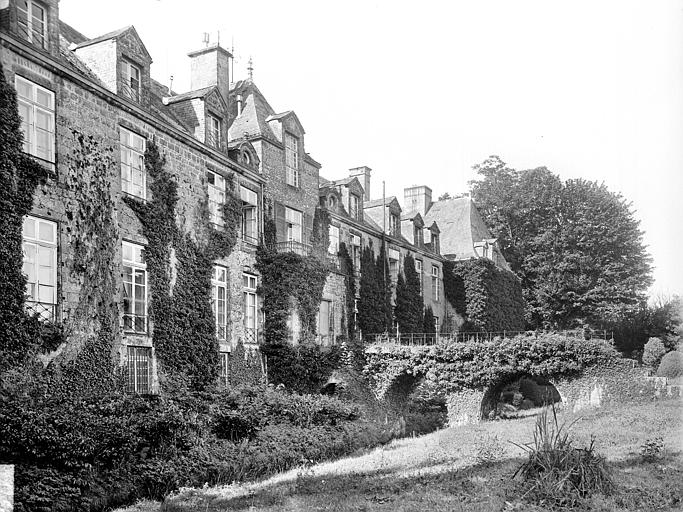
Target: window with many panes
x,y
219,300
130,80
133,175
354,210
249,215
394,258
435,283
292,159
334,240
36,107
249,305
225,367
294,221
418,269
355,243
326,322
213,131
32,22
40,266
139,370
216,193
134,288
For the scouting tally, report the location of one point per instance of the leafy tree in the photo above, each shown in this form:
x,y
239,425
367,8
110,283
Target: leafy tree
x,y
576,246
444,196
429,323
384,308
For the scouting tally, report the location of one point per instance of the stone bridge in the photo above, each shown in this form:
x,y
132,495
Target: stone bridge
x,y
470,376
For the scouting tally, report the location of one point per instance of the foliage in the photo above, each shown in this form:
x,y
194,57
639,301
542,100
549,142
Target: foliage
x,y
320,237
349,289
490,298
19,176
428,321
98,452
180,310
384,309
370,301
671,365
576,246
653,353
301,368
651,450
478,364
245,366
558,474
409,304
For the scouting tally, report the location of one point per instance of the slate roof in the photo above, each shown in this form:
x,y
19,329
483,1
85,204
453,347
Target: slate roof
x,y
255,111
378,202
109,35
190,95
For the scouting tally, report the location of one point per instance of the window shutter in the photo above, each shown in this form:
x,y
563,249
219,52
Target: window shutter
x,y
279,214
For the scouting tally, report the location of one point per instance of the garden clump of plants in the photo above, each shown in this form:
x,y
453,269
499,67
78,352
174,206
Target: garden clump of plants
x,y
100,451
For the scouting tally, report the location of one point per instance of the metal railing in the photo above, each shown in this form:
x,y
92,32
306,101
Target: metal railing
x,y
420,339
303,249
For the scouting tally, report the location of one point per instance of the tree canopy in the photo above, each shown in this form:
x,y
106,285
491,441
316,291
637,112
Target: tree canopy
x,y
575,245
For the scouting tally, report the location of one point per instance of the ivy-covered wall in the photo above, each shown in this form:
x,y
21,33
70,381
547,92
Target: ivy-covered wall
x,y
488,297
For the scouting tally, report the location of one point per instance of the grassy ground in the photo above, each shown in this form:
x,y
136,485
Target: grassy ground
x,y
466,468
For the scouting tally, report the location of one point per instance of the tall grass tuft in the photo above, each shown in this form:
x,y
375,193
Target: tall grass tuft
x,y
557,473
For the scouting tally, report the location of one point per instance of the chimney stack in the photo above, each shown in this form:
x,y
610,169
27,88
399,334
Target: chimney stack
x,y
363,175
418,198
210,66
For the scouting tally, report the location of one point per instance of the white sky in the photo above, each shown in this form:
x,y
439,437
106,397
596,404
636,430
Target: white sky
x,y
422,91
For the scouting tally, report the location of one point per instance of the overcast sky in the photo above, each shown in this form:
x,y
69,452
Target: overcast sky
x,y
422,91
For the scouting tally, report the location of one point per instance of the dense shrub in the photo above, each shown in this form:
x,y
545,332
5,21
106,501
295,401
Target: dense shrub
x,y
653,352
302,368
91,453
671,365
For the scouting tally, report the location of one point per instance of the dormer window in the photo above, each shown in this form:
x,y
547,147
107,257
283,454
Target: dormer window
x,y
394,225
353,206
417,236
435,243
130,86
32,22
213,131
292,159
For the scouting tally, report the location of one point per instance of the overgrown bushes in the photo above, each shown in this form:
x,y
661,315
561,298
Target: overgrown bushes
x,y
653,352
95,452
300,368
671,365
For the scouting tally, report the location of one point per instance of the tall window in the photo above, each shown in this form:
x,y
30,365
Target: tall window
x,y
40,266
292,159
133,175
418,269
130,78
394,258
139,370
393,225
249,307
334,240
37,111
435,283
219,296
225,365
32,22
216,197
355,251
293,220
326,322
249,215
353,206
435,243
213,131
134,288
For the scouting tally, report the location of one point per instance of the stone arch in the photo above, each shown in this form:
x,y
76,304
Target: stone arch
x,y
513,394
399,390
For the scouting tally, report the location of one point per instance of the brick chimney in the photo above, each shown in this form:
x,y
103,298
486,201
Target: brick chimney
x,y
363,175
210,66
418,197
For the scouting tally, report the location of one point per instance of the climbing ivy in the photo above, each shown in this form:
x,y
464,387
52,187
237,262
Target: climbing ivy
x,y
349,289
19,176
180,268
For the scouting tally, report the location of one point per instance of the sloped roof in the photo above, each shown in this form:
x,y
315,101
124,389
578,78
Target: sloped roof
x,y
113,35
255,111
460,225
69,33
411,215
282,115
379,202
190,95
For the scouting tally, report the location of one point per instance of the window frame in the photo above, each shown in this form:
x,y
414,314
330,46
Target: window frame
x,y
354,209
34,107
333,248
289,226
129,90
250,300
29,35
218,284
212,130
418,263
329,331
128,148
435,283
32,305
249,227
292,160
214,193
137,352
134,265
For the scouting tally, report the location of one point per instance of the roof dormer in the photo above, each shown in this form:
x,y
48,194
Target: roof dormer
x,y
121,61
34,21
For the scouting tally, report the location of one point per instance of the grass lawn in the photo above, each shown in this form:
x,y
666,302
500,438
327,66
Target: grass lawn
x,y
467,468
